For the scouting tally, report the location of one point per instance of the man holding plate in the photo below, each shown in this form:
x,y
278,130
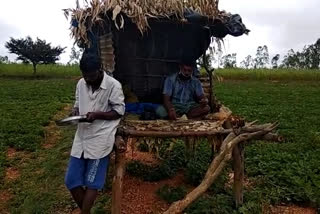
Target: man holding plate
x,y
100,98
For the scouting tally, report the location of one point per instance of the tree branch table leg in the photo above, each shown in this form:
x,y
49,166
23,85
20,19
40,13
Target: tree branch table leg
x,y
120,148
238,166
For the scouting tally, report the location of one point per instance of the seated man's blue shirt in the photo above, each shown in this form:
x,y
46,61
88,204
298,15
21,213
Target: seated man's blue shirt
x,y
182,91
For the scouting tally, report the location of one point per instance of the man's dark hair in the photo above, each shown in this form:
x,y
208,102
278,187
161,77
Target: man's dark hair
x,y
188,62
90,62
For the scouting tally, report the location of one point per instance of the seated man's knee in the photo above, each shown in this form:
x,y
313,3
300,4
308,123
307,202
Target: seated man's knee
x,y
206,109
161,112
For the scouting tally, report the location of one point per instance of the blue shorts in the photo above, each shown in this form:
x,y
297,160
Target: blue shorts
x,y
90,173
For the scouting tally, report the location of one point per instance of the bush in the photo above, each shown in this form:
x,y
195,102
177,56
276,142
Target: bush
x,y
143,147
171,194
220,203
199,163
198,166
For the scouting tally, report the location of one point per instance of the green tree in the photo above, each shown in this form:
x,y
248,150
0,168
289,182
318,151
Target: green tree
x,y
311,55
291,60
229,61
247,62
275,60
308,58
4,60
75,55
207,60
262,57
34,52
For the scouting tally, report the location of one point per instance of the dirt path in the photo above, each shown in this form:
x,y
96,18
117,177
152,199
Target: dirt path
x,y
5,196
139,197
12,173
291,210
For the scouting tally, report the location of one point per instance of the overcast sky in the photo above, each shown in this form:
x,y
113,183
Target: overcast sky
x,y
279,24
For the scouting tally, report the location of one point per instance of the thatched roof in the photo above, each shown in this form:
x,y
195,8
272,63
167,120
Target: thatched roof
x,y
139,11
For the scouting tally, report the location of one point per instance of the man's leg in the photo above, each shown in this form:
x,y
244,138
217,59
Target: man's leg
x,y
95,177
88,200
78,194
161,112
198,112
74,179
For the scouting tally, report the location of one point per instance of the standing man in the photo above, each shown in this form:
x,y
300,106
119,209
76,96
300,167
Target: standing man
x,y
183,94
100,98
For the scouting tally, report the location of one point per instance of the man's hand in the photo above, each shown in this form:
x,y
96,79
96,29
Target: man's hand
x,y
92,116
75,112
203,101
172,114
99,115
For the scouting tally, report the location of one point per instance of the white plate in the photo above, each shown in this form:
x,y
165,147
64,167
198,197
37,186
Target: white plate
x,y
71,120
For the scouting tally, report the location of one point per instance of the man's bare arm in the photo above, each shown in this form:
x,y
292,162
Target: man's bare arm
x,y
99,115
202,100
167,103
169,107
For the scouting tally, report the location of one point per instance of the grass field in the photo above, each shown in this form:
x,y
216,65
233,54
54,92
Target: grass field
x,y
269,74
43,71
287,172
26,107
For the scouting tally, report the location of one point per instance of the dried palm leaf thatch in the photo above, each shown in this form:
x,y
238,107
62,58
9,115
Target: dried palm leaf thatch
x,y
137,10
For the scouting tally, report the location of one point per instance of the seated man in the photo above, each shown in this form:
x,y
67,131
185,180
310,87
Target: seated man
x,y
183,94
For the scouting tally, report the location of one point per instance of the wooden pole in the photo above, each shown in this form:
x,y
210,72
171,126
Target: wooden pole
x,y
117,182
238,167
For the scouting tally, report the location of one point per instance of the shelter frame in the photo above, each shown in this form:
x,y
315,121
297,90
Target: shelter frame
x,y
229,140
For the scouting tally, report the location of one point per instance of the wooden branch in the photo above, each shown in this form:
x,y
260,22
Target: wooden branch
x,y
273,137
176,133
230,137
251,123
254,128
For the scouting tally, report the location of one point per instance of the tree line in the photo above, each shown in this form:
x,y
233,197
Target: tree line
x,y
40,52
308,58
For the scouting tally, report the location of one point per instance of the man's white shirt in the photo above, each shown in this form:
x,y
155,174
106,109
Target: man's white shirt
x,y
95,140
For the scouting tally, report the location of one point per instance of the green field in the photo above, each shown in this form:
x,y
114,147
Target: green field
x,y
268,74
287,172
283,172
43,71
